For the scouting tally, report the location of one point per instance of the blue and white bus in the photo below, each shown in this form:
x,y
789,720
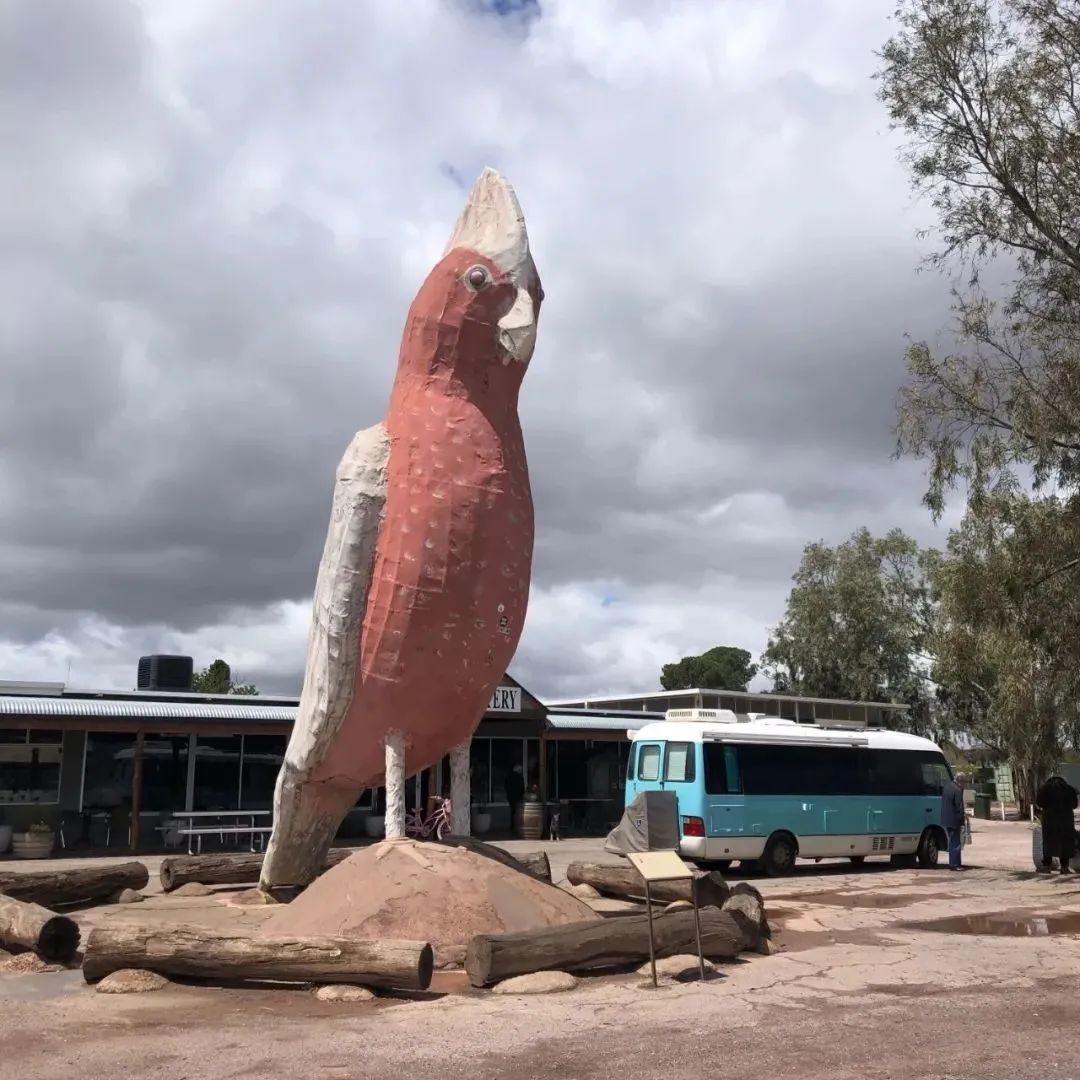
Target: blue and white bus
x,y
766,791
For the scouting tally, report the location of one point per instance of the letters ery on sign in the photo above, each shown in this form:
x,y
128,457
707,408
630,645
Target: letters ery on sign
x,y
506,699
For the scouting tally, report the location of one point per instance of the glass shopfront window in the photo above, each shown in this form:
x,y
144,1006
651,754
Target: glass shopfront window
x,y
217,773
110,766
30,766
260,765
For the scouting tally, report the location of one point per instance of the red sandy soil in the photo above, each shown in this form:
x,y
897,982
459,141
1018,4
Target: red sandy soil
x,y
424,892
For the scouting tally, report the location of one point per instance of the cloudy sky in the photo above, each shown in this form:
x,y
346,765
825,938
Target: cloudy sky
x,y
214,215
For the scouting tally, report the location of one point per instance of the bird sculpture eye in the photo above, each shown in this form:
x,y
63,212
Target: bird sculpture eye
x,y
477,277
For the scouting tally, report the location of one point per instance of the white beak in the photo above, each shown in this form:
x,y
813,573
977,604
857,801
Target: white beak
x,y
517,329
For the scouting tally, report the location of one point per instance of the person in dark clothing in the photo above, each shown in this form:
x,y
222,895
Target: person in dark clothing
x,y
515,791
953,817
1056,801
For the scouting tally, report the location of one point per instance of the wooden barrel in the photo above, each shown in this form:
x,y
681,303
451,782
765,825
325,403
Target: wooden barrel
x,y
531,825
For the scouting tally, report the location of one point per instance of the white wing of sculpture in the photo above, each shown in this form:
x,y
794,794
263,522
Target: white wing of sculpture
x,y
341,589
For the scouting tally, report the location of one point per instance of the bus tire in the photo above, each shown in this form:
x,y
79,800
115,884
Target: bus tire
x,y
780,854
929,848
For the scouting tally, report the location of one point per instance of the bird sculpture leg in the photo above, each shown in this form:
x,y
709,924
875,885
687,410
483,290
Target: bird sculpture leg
x,y
460,784
395,785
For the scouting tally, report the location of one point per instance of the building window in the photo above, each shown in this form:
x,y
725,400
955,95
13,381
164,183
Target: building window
x,y
217,773
260,763
30,766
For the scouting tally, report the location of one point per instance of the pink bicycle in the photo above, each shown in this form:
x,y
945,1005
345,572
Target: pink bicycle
x,y
439,821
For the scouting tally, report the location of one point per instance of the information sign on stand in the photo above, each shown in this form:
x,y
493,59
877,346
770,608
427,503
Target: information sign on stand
x,y
656,866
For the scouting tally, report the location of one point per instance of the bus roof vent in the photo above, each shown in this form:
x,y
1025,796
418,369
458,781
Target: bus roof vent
x,y
711,716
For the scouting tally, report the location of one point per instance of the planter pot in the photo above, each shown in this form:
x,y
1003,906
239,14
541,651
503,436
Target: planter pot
x,y
375,825
32,845
5,838
481,823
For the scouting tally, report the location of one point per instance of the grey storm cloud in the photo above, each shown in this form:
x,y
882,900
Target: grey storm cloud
x,y
214,217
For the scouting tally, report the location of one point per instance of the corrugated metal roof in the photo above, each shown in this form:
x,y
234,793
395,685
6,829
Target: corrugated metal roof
x,y
103,708
578,722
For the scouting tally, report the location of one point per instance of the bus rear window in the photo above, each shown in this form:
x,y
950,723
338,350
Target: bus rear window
x,y
679,764
649,763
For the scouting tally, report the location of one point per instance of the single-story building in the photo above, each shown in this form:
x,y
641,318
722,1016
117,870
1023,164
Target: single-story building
x,y
116,764
806,710
112,766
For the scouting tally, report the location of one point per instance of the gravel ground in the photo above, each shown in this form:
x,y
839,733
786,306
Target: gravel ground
x,y
868,982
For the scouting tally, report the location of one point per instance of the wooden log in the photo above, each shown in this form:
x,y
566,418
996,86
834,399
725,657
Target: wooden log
x,y
222,956
625,883
73,885
225,869
51,936
532,862
585,946
748,911
243,869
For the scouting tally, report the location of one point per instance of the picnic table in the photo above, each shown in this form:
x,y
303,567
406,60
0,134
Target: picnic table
x,y
195,824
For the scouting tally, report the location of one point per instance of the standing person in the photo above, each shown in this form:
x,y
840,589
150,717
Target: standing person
x,y
515,790
1055,801
953,816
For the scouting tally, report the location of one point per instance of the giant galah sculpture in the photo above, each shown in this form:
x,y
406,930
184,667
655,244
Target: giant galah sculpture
x,y
424,579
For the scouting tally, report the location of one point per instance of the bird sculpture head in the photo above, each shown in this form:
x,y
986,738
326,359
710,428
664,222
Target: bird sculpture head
x,y
478,308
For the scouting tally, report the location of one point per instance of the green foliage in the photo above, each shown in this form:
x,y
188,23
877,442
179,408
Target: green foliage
x,y
721,668
1005,650
856,623
217,679
985,94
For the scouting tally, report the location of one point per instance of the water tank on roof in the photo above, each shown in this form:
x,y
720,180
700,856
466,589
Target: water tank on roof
x,y
160,672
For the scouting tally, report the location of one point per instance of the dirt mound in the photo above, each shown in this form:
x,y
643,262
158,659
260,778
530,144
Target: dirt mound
x,y
424,892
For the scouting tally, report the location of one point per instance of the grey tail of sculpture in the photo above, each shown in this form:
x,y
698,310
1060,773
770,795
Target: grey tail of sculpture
x,y
306,819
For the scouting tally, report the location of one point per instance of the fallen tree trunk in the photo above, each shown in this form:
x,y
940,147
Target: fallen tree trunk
x,y
51,936
244,869
490,958
532,862
748,910
221,956
625,883
73,885
225,868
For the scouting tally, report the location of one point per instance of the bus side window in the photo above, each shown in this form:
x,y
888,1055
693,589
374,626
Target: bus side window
x,y
679,763
649,763
935,774
631,760
721,769
731,768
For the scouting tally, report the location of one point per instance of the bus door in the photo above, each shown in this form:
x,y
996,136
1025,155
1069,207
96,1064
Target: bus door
x,y
644,772
724,803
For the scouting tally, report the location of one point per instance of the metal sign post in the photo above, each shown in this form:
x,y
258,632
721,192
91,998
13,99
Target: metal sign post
x,y
657,866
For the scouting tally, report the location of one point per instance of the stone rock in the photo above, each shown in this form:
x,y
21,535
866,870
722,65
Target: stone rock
x,y
26,963
449,955
670,967
582,892
130,896
539,982
193,888
343,993
679,905
131,981
251,898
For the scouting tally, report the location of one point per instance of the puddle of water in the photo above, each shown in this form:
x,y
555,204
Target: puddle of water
x,y
1004,924
868,899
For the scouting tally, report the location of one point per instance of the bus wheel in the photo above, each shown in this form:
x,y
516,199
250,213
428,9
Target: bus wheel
x,y
857,860
929,849
780,853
